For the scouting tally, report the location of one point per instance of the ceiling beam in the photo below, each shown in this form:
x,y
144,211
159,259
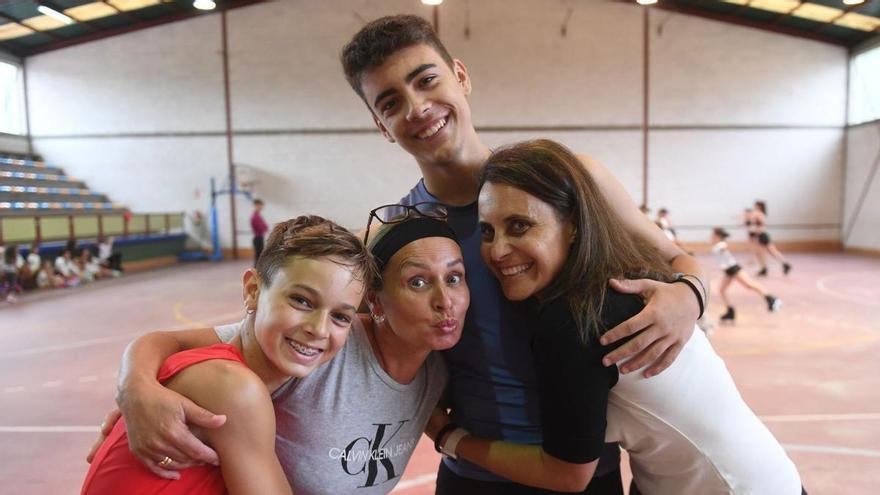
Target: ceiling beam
x,y
782,17
16,21
128,15
741,21
137,26
54,6
742,8
847,10
9,46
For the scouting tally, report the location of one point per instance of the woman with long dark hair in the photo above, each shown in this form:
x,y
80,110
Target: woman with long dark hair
x,y
553,242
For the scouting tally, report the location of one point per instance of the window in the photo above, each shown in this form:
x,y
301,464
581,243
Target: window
x,y
864,87
11,99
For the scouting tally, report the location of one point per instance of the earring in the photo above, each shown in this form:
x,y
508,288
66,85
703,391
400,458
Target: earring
x,y
379,319
249,310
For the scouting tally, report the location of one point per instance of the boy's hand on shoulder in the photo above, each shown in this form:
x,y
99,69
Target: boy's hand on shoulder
x,y
666,324
156,421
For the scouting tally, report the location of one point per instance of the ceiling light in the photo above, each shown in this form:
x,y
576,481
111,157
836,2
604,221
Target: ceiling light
x,y
861,22
853,2
646,2
204,4
432,2
58,16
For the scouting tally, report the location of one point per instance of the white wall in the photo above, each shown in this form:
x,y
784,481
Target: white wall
x,y
722,96
733,109
13,143
526,74
711,176
862,226
149,175
165,79
712,73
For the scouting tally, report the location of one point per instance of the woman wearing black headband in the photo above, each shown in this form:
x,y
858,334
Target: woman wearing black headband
x,y
419,302
353,423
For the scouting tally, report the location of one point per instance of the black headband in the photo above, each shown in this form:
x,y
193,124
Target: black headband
x,y
406,232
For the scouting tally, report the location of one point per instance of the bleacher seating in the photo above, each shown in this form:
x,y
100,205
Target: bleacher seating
x,y
32,188
39,202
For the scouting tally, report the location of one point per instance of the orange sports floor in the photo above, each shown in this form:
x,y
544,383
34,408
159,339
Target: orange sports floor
x,y
811,371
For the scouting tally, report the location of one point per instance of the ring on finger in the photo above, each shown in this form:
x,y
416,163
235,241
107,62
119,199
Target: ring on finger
x,y
165,462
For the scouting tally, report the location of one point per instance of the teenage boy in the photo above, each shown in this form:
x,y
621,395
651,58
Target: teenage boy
x,y
418,96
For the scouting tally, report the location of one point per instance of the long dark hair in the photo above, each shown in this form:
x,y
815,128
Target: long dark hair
x,y
602,249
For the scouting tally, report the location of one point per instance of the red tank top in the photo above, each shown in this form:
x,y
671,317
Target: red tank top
x,y
115,470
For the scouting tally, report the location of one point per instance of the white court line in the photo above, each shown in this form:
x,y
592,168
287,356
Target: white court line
x,y
417,481
49,429
10,390
89,378
69,345
53,383
799,418
103,340
829,449
820,284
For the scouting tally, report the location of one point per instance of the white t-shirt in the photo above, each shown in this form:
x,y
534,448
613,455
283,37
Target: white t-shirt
x,y
105,250
33,261
662,424
65,267
723,256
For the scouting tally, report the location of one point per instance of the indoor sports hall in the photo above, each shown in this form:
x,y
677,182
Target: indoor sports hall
x,y
149,147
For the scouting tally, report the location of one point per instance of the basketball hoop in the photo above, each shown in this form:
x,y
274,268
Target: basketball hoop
x,y
246,186
245,178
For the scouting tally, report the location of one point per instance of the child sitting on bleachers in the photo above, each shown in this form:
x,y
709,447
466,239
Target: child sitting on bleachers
x,y
9,284
67,268
47,278
108,258
27,275
89,268
33,258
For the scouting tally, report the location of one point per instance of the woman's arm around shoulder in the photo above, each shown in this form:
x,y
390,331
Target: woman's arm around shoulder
x,y
524,464
245,444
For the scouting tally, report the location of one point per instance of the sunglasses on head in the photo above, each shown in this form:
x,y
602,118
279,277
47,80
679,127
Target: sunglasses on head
x,y
390,214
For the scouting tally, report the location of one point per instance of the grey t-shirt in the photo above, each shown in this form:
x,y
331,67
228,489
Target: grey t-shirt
x,y
349,427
